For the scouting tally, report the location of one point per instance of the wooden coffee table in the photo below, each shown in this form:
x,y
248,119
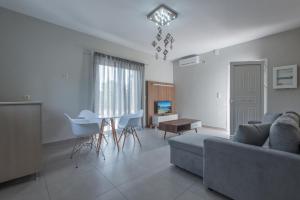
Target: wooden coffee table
x,y
179,126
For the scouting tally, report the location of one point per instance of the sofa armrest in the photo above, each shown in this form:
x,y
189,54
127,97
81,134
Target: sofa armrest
x,y
249,172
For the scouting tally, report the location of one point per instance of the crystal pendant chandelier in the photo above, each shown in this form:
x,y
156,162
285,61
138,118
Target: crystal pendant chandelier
x,y
163,42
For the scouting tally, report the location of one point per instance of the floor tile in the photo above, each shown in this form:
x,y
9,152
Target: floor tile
x,y
112,195
155,158
200,190
31,190
121,172
146,190
161,185
188,195
64,181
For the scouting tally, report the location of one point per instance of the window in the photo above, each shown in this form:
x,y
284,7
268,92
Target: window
x,y
118,85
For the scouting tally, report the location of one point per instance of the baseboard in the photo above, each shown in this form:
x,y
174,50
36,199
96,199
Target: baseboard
x,y
212,127
70,140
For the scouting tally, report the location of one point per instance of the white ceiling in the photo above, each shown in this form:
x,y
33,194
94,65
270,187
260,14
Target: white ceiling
x,y
202,25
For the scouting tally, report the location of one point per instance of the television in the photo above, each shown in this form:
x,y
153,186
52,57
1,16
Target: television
x,y
163,107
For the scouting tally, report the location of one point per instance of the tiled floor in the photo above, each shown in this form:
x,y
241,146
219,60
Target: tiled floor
x,y
132,174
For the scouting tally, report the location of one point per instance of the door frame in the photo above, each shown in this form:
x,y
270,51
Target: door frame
x,y
264,87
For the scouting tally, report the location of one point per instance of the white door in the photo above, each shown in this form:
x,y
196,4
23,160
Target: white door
x,y
246,92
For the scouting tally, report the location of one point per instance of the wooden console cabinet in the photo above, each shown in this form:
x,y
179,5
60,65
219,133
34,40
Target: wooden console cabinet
x,y
158,91
20,139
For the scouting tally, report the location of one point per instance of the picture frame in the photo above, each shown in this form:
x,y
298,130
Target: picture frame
x,y
285,77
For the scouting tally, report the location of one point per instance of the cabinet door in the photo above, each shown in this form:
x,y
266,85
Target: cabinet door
x,y
20,140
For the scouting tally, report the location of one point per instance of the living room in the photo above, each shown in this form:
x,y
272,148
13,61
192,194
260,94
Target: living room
x,y
91,108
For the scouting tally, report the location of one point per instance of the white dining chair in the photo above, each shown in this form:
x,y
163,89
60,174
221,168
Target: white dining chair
x,y
87,114
128,124
84,131
93,117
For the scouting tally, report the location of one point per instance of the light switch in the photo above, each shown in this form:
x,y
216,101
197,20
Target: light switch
x,y
66,76
27,97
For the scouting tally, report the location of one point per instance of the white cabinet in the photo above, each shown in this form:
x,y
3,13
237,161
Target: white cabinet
x,y
197,124
20,139
156,119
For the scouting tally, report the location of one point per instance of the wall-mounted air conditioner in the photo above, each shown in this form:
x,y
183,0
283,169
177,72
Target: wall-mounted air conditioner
x,y
194,60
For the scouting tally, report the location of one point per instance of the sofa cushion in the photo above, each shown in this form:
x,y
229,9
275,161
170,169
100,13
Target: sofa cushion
x,y
191,142
254,134
285,133
269,118
294,115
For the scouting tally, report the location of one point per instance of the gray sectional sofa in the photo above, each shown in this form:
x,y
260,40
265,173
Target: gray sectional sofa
x,y
187,152
244,171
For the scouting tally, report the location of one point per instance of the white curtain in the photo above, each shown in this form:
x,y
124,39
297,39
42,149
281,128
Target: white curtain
x,y
119,85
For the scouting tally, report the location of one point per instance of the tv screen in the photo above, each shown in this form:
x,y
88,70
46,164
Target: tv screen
x,y
163,107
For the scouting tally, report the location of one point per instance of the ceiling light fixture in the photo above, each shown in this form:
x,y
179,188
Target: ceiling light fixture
x,y
162,16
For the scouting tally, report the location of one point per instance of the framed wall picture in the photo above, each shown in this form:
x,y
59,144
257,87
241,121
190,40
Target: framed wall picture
x,y
285,77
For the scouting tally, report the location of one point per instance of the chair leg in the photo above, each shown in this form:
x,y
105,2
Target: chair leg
x,y
76,160
99,143
114,133
122,133
74,148
125,134
105,139
92,142
80,143
99,149
132,133
137,137
115,138
102,152
101,133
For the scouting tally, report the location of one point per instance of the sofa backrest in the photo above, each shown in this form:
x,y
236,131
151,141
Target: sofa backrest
x,y
269,118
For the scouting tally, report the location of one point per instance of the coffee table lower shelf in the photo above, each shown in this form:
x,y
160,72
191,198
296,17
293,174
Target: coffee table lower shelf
x,y
179,126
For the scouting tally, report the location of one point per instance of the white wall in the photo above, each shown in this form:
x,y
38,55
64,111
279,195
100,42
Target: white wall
x,y
35,55
197,86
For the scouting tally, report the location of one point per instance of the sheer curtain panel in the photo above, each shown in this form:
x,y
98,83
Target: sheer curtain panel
x,y
119,85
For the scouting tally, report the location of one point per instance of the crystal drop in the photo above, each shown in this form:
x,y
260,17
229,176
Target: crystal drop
x,y
168,36
159,30
165,52
158,37
158,49
154,43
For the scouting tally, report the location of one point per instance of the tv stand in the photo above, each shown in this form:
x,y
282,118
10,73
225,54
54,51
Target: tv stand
x,y
156,119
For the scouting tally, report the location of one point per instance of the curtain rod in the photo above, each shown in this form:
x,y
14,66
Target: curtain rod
x,y
93,51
